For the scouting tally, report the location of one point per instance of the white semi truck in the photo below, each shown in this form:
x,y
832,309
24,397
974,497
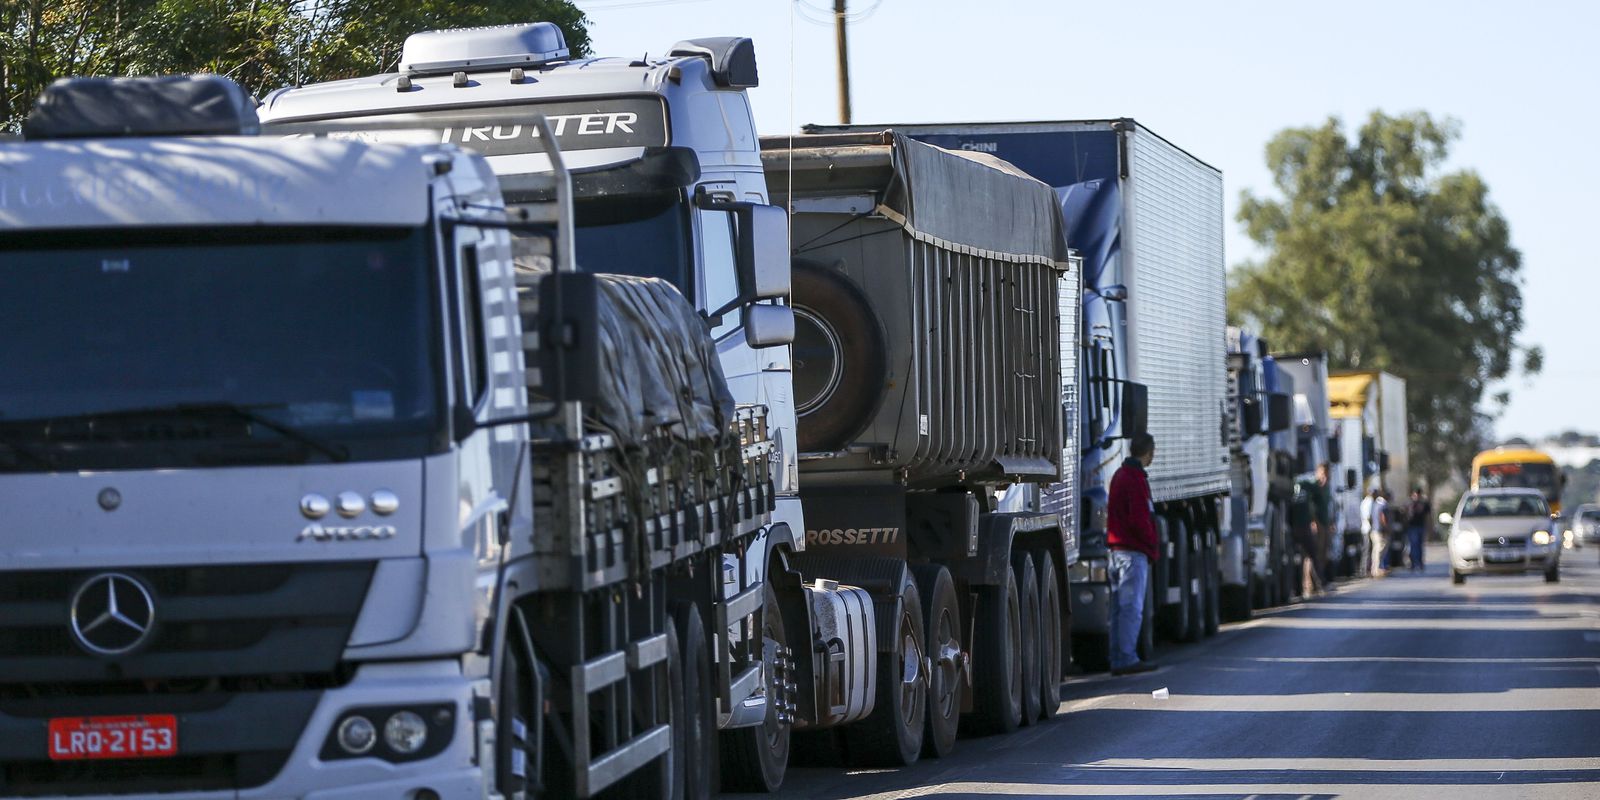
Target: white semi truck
x,y
317,484
886,627
1257,554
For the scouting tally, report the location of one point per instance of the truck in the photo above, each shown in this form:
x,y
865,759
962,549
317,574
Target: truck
x,y
1257,553
875,651
1316,443
1369,411
1146,217
317,485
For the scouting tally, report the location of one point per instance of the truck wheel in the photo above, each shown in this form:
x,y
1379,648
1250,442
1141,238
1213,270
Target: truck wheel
x,y
664,776
840,359
754,759
1236,605
1175,616
941,617
891,736
1028,596
1194,583
1050,671
1211,589
996,660
699,714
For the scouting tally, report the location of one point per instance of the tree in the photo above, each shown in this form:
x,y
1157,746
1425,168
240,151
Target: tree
x,y
263,44
1379,258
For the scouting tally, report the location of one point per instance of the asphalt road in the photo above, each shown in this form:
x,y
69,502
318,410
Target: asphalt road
x,y
1403,687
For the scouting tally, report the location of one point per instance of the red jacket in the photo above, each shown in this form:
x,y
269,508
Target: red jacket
x,y
1130,516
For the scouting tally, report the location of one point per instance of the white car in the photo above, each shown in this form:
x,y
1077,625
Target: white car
x,y
1500,531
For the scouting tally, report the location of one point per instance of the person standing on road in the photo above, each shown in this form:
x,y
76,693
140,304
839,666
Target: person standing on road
x,y
1417,512
1322,507
1131,536
1374,518
1304,524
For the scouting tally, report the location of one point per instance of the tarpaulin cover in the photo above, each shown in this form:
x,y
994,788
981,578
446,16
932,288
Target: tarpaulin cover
x,y
935,191
176,105
659,366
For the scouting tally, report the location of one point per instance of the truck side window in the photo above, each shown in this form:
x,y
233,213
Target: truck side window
x,y
720,265
476,373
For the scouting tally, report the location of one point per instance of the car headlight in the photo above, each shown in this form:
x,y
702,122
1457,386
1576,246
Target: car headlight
x,y
1541,538
1466,541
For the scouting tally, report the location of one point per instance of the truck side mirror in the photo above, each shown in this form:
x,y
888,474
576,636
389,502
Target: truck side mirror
x,y
1280,412
1135,409
768,325
763,252
1350,478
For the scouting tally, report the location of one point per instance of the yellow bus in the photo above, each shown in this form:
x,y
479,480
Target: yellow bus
x,y
1519,467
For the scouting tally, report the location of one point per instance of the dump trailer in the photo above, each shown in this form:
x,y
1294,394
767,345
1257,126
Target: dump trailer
x,y
1255,545
255,550
928,373
1146,216
668,182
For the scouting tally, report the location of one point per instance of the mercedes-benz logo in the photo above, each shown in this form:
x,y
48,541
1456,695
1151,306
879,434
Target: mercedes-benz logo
x,y
112,613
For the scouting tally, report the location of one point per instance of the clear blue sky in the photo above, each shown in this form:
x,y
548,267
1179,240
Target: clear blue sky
x,y
1219,79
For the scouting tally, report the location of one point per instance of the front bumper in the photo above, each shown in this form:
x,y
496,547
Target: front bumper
x,y
452,773
1528,559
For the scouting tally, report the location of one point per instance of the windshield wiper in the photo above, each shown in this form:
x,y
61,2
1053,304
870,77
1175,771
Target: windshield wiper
x,y
245,413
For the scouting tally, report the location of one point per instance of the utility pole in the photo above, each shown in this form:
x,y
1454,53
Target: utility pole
x,y
843,47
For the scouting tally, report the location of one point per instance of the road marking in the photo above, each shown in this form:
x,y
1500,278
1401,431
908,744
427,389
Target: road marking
x,y
1520,699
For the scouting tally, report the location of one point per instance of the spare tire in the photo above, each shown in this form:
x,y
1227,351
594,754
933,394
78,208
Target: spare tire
x,y
840,361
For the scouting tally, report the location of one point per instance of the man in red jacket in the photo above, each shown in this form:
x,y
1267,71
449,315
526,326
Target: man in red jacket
x,y
1131,535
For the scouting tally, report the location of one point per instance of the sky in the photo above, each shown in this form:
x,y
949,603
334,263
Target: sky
x,y
1219,79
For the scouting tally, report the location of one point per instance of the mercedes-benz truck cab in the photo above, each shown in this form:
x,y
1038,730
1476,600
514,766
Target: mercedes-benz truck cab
x,y
229,375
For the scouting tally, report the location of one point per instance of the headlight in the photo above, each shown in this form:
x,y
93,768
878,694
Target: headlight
x,y
1466,541
405,732
1541,538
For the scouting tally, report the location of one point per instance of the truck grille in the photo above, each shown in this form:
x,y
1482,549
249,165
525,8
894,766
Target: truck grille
x,y
209,622
255,642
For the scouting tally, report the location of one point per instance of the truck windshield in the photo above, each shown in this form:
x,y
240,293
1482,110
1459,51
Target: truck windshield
x,y
645,235
151,349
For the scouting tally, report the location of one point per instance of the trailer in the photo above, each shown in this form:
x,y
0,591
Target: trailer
x,y
1146,217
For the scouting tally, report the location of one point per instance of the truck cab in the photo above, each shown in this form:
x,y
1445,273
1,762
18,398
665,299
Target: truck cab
x,y
238,453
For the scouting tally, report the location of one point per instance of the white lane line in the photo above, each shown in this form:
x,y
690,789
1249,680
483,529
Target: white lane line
x,y
1519,699
1501,765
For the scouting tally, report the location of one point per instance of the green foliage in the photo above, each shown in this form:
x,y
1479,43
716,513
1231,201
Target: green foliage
x,y
1377,258
263,44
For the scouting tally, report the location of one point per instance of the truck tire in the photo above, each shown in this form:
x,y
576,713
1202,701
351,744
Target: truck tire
x,y
663,776
754,759
1211,586
1050,614
699,712
891,736
1194,584
1028,597
941,619
1236,600
996,660
1175,616
840,358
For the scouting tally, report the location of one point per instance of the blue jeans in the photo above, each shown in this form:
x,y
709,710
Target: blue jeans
x,y
1414,545
1130,571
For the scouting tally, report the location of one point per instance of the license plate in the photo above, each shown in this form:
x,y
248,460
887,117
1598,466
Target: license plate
x,y
1502,555
136,736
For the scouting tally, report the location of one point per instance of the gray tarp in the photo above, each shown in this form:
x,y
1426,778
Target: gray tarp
x,y
659,366
932,191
